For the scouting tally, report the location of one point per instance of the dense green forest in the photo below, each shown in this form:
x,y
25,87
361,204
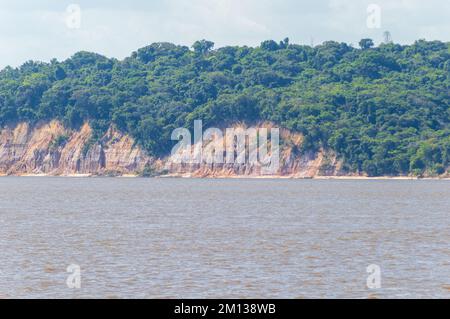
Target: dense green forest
x,y
384,110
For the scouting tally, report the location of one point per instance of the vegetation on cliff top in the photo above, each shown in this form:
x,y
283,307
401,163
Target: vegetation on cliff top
x,y
384,110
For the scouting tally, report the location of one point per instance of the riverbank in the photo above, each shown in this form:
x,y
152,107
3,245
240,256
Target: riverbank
x,y
190,176
51,149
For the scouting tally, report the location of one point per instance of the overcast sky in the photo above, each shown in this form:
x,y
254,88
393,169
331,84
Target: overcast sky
x,y
43,29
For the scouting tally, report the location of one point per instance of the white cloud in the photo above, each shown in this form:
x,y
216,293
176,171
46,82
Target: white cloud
x,y
32,29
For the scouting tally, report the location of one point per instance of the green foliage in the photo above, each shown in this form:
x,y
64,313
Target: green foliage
x,y
203,47
87,146
384,110
150,171
366,44
59,141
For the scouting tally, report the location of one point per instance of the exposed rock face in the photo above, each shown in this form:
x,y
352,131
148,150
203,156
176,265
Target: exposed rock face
x,y
52,149
26,150
291,163
307,166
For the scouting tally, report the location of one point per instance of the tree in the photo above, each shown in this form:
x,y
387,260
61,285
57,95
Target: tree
x,y
202,47
269,45
366,44
383,111
60,74
284,44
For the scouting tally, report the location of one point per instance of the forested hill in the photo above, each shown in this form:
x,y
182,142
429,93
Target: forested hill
x,y
384,110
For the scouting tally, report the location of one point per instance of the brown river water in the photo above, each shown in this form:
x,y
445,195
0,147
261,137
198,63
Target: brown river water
x,y
224,238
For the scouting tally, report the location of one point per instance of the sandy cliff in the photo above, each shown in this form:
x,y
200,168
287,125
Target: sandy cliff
x,y
51,149
26,150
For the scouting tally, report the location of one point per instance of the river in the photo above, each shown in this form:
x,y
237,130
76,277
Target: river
x,y
223,238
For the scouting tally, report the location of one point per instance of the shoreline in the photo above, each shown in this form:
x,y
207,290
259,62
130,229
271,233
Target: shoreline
x,y
187,176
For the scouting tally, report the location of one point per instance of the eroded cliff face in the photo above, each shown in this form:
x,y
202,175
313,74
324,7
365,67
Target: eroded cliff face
x,y
306,166
291,163
52,149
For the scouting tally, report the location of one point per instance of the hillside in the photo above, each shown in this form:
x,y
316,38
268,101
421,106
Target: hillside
x,y
379,110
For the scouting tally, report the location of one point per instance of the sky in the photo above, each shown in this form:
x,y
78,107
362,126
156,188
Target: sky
x,y
45,29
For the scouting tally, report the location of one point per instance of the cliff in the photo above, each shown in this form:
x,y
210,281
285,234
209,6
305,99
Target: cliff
x,y
52,149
